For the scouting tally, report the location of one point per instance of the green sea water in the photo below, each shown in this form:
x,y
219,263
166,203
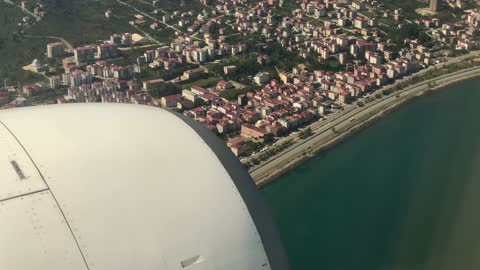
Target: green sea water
x,y
402,194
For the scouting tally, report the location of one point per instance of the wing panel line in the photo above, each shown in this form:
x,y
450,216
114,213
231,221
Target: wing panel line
x,y
51,192
24,195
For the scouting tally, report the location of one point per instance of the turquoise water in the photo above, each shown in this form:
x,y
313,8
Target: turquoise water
x,y
401,194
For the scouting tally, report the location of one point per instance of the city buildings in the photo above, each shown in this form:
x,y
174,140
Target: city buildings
x,y
229,69
193,73
124,39
55,81
107,50
152,84
262,78
170,101
56,49
77,78
84,54
345,57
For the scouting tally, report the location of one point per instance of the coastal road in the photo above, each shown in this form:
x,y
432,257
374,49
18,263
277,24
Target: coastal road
x,y
322,136
349,108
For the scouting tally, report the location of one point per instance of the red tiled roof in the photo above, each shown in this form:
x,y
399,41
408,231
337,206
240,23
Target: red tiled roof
x,y
199,89
155,81
197,110
208,96
84,48
55,44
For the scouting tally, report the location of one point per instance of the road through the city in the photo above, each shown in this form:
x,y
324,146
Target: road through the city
x,y
351,119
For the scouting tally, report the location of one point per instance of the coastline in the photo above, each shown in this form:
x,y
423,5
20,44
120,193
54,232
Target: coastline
x,y
289,159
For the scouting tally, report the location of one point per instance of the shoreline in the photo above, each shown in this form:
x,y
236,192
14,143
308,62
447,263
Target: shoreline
x,y
321,144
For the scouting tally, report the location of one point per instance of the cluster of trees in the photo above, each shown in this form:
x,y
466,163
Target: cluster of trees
x,y
306,133
167,75
281,57
313,62
268,153
387,92
249,147
246,66
234,93
286,60
454,53
165,90
409,31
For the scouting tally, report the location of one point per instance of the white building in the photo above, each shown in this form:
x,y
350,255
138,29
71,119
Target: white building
x,y
189,95
262,78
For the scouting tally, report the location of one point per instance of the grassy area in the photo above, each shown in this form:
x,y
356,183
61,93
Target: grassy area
x,y
205,83
128,57
173,5
78,22
450,15
48,96
165,35
16,51
247,67
286,10
140,5
408,6
9,17
83,22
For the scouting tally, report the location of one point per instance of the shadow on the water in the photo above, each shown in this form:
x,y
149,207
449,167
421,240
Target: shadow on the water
x,y
403,196
436,233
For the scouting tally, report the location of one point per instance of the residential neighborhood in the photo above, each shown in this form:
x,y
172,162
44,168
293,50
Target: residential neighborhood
x,y
254,70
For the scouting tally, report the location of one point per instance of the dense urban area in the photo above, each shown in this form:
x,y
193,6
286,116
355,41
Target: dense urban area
x,y
261,74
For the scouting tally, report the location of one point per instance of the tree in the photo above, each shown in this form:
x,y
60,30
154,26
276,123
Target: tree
x,y
165,89
282,58
387,92
306,133
268,139
233,94
199,103
250,146
409,31
215,69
